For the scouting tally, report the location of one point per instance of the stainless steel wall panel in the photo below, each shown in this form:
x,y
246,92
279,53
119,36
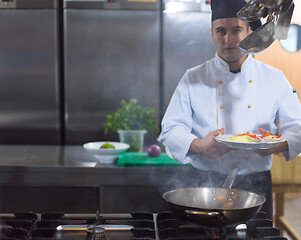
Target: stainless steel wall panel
x,y
186,43
120,4
29,4
28,77
109,55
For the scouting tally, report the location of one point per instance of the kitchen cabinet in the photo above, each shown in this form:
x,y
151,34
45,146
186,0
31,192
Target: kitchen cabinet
x,y
107,199
30,83
49,199
132,199
120,51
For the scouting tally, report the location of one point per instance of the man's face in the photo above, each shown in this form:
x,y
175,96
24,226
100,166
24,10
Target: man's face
x,y
226,34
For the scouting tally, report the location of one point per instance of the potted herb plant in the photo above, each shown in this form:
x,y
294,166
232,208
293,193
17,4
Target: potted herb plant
x,y
131,122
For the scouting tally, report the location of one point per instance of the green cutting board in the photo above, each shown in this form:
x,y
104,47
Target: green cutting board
x,y
142,159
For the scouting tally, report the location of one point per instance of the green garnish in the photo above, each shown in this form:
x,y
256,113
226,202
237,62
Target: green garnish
x,y
107,145
131,116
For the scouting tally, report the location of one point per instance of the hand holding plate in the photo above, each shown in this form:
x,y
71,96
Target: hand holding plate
x,y
209,146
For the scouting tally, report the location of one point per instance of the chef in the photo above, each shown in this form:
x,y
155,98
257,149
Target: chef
x,y
230,94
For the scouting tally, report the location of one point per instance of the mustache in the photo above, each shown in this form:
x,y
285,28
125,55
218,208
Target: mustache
x,y
230,46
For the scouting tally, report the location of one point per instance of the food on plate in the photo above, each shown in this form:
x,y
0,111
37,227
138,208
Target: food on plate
x,y
244,137
154,150
268,135
250,138
107,145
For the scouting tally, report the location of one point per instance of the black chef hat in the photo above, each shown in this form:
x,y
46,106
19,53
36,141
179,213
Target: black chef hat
x,y
228,9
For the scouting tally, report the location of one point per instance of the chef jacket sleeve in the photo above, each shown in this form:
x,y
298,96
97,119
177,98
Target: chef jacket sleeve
x,y
177,123
289,115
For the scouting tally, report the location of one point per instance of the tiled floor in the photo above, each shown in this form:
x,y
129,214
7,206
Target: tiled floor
x,y
293,213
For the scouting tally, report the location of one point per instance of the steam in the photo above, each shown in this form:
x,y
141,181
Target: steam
x,y
188,176
171,178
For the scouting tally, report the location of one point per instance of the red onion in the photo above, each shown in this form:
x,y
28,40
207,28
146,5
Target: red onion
x,y
154,150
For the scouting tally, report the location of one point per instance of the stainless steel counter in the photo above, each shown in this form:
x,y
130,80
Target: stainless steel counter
x,y
51,178
70,165
44,156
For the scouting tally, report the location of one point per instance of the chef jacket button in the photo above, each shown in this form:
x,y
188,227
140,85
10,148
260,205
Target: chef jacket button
x,y
220,82
249,106
222,106
250,81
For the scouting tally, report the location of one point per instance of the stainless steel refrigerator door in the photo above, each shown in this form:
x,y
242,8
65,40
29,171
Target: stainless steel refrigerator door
x,y
187,43
110,55
28,77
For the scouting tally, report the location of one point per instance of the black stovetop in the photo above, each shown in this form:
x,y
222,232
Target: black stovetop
x,y
139,226
172,228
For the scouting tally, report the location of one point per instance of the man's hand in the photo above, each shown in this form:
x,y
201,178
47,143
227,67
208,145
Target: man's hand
x,y
278,148
209,146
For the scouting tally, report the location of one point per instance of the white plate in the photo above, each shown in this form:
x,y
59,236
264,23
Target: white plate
x,y
223,138
106,155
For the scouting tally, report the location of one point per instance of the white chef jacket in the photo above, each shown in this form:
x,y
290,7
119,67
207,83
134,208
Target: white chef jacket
x,y
210,97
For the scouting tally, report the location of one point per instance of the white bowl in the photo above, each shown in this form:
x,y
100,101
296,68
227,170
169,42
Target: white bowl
x,y
106,155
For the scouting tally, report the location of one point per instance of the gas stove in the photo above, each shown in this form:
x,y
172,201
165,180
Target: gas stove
x,y
134,226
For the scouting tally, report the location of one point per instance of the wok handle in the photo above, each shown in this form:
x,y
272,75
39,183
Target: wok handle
x,y
202,213
231,177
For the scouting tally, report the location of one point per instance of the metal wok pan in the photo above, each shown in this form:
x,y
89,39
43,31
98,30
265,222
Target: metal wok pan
x,y
214,207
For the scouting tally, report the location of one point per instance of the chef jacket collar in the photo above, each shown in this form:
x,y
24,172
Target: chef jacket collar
x,y
223,65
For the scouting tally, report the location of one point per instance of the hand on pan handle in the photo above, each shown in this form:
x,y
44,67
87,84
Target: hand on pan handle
x,y
209,146
278,148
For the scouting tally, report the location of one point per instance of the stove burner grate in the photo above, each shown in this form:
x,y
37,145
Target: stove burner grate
x,y
170,227
143,226
31,226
